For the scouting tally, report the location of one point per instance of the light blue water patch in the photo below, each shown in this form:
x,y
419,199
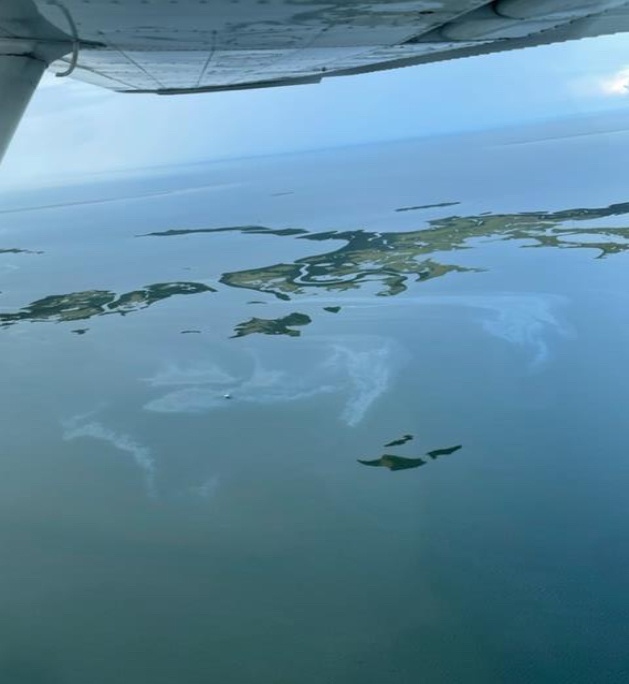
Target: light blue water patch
x,y
358,369
529,321
85,427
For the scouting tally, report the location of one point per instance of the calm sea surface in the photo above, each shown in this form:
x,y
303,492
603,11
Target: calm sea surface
x,y
203,370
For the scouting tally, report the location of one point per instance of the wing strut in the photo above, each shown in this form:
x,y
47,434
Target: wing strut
x,y
19,76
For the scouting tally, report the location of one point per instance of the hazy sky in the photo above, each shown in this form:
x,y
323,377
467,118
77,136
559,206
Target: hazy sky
x,y
72,128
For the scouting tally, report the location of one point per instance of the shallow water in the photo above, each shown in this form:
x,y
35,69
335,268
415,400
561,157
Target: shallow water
x,y
197,359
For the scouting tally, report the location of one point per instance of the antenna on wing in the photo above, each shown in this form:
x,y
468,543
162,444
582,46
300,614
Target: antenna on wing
x,y
75,39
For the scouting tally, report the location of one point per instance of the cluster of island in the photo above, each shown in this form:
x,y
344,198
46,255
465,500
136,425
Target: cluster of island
x,y
390,262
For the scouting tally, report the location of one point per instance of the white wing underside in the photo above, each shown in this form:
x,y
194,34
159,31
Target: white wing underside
x,y
174,46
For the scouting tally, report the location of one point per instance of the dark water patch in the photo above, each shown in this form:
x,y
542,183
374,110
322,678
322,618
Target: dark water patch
x,y
332,309
28,670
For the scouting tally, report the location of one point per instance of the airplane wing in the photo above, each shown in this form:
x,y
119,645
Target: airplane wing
x,y
181,46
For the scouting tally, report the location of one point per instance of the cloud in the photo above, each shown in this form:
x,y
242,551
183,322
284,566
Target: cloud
x,y
616,84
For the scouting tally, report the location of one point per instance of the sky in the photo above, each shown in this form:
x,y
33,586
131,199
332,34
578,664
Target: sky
x,y
72,129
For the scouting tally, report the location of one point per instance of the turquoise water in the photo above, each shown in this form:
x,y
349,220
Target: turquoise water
x,y
196,360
